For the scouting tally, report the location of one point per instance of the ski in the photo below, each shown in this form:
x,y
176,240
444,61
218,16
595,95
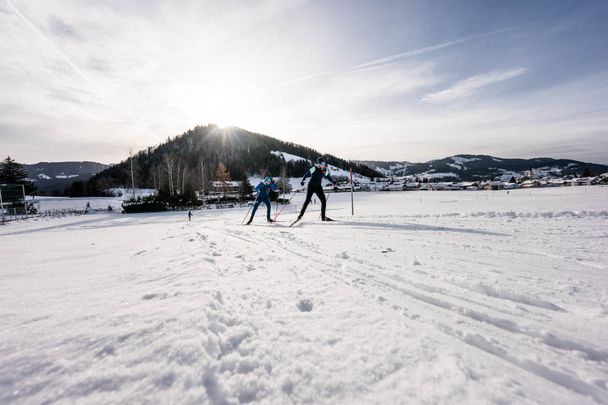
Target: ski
x,y
267,223
294,222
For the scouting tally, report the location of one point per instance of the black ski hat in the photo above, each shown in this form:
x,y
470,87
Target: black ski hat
x,y
320,160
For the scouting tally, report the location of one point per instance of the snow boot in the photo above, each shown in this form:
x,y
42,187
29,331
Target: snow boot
x,y
327,219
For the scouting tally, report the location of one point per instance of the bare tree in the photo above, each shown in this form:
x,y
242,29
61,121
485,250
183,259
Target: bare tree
x,y
169,160
184,171
284,181
154,178
223,176
132,171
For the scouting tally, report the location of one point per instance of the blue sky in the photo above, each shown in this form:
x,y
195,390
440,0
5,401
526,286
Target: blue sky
x,y
387,80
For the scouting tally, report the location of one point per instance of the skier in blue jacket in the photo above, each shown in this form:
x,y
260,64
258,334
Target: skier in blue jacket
x,y
316,174
263,190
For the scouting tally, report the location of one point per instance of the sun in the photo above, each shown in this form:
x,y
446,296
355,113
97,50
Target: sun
x,y
227,103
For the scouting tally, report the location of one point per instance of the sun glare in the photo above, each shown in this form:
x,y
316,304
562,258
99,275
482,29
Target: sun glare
x,y
226,103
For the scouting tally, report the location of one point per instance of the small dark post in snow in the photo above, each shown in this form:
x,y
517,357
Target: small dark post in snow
x,y
24,200
1,207
352,197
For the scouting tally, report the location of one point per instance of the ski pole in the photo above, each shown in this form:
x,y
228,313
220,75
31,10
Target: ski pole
x,y
247,214
288,202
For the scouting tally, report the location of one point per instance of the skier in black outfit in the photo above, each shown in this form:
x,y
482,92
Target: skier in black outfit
x,y
263,189
316,174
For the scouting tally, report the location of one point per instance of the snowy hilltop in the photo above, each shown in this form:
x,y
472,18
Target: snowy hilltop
x,y
189,161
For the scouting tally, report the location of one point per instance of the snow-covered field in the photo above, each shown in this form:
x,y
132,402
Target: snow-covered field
x,y
426,297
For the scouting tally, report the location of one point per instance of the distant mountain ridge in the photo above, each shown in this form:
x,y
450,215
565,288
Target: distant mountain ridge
x,y
54,177
483,167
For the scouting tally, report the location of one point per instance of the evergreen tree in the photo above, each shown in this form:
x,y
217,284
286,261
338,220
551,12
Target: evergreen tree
x,y
587,172
12,172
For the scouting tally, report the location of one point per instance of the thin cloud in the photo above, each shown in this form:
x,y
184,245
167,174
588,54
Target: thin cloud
x,y
467,87
398,56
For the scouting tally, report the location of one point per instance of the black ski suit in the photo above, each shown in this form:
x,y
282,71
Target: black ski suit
x,y
316,175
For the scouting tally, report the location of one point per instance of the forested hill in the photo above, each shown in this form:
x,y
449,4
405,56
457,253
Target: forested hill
x,y
483,167
180,160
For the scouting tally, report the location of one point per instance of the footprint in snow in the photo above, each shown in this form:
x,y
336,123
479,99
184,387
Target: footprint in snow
x,y
305,305
160,296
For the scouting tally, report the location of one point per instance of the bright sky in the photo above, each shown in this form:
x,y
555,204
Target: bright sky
x,y
383,80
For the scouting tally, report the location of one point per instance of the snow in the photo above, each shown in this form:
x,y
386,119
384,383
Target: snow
x,y
288,157
456,166
393,169
398,166
127,193
438,175
337,172
43,203
462,160
427,297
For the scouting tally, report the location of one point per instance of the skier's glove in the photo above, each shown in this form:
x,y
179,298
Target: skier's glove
x,y
302,183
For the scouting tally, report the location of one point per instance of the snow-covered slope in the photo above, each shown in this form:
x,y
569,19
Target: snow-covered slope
x,y
56,176
288,157
333,170
432,297
483,167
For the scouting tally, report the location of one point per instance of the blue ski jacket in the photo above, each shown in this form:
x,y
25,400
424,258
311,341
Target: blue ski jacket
x,y
263,190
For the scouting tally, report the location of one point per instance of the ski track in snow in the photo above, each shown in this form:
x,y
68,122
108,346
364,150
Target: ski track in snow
x,y
411,301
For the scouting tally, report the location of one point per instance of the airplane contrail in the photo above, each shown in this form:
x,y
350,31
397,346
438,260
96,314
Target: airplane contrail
x,y
31,25
397,56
